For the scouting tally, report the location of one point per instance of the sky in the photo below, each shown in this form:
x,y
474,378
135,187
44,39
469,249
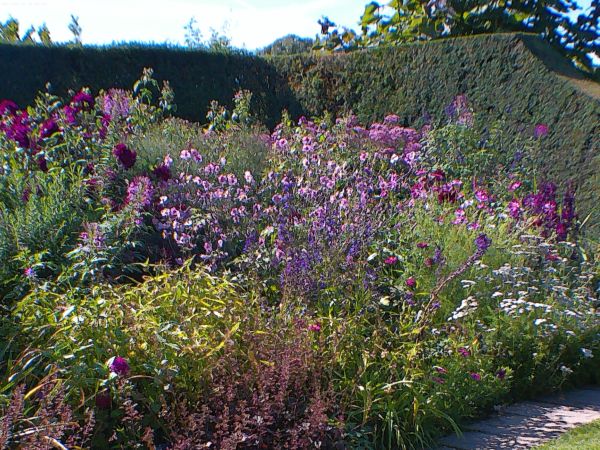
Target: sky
x,y
250,24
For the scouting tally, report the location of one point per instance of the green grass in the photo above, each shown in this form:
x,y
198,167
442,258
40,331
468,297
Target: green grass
x,y
583,437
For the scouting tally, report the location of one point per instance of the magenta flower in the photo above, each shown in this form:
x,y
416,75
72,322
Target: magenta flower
x,y
422,245
48,128
118,365
390,260
475,376
439,369
411,282
540,130
124,155
8,107
514,186
438,380
314,327
83,100
464,352
29,273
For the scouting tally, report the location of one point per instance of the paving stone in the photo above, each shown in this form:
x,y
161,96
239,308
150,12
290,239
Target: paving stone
x,y
581,398
528,424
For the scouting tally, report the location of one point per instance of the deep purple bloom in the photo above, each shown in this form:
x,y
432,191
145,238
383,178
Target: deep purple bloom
x,y
475,376
118,365
29,273
162,172
48,128
42,164
483,242
83,100
540,130
422,245
8,107
103,400
124,155
501,374
411,282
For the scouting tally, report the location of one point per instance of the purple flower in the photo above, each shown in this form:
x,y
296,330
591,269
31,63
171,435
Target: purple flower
x,y
411,282
438,380
162,172
540,130
422,245
483,242
464,352
124,155
439,369
475,376
48,128
501,374
83,100
118,365
42,164
8,107
29,273
140,192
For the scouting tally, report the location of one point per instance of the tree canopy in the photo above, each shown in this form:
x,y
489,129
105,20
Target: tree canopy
x,y
574,33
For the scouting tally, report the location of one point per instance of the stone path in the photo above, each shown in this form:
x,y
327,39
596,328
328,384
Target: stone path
x,y
525,425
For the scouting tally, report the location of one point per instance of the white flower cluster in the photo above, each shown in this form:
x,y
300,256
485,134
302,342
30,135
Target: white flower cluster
x,y
467,306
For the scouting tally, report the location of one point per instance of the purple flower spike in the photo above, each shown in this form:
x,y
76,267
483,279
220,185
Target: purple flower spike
x,y
483,242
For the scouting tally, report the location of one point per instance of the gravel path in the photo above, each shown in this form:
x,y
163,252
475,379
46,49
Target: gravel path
x,y
525,425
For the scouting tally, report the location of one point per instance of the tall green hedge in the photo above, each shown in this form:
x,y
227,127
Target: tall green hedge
x,y
515,77
196,76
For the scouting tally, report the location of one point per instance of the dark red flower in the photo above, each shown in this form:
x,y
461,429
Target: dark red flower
x,y
124,155
162,172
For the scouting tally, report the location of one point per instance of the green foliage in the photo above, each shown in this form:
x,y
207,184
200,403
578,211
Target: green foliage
x,y
9,34
399,22
287,45
196,76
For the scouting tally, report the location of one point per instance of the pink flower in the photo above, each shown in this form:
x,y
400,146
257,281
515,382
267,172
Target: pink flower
x,y
390,260
411,282
514,186
475,376
439,369
540,130
314,327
